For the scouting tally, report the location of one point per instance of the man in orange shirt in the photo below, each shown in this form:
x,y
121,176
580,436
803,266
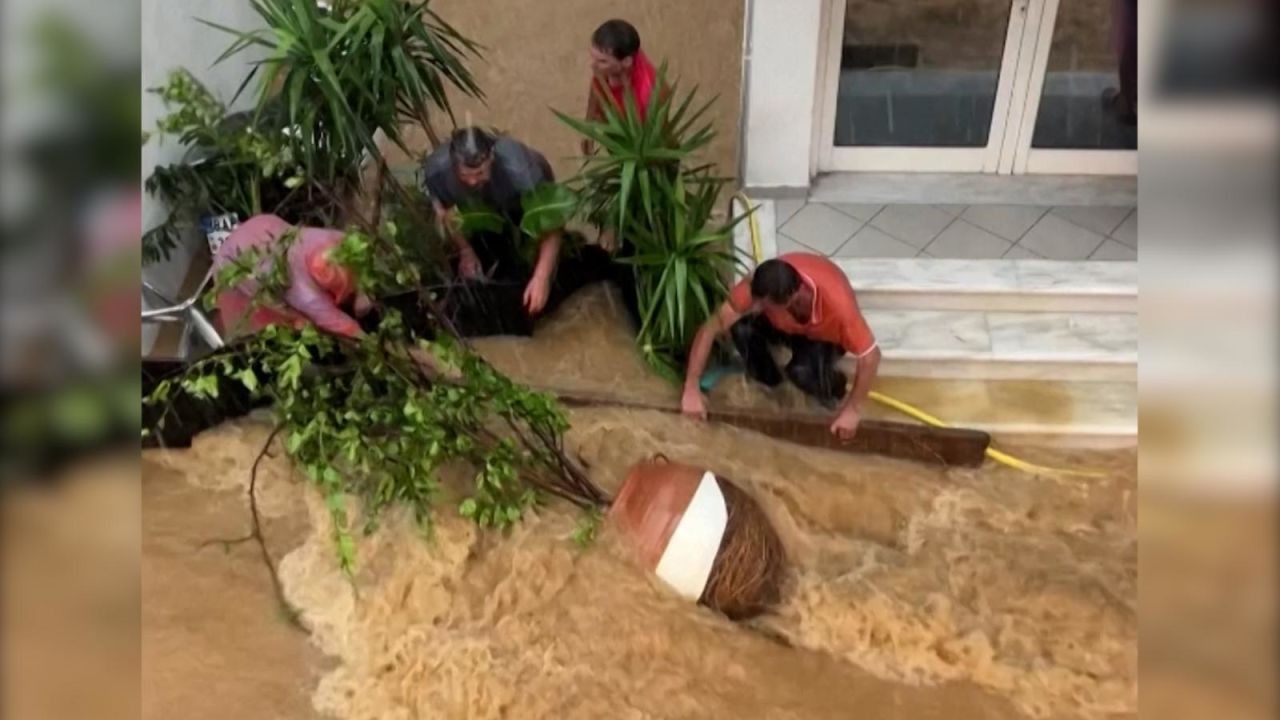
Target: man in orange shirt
x,y
805,302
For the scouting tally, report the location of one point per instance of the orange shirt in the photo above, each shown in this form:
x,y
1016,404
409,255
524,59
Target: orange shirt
x,y
835,317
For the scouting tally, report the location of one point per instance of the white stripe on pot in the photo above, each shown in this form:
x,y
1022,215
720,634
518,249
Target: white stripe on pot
x,y
686,562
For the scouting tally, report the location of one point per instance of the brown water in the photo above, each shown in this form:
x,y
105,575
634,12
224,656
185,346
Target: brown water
x,y
916,592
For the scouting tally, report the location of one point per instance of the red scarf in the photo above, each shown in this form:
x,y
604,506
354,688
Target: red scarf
x,y
642,79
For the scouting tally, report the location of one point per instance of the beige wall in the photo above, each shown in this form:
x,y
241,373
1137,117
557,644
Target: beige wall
x,y
537,53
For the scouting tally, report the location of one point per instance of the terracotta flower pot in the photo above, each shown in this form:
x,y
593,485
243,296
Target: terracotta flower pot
x,y
702,535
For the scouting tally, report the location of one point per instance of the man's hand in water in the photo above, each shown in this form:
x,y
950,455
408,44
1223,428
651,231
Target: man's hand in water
x,y
693,404
535,294
469,264
609,241
846,424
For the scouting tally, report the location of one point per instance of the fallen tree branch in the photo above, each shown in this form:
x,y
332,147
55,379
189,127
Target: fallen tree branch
x,y
255,533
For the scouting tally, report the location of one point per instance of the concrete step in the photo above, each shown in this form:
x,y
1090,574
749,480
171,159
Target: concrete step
x,y
969,344
999,285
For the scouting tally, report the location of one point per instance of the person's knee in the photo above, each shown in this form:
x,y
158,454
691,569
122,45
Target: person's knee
x,y
804,375
742,332
816,380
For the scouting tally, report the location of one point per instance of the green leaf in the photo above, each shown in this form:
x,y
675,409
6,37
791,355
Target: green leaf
x,y
249,379
468,508
475,218
548,207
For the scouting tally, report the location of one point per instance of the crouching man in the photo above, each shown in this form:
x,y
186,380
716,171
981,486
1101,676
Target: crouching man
x,y
321,291
805,302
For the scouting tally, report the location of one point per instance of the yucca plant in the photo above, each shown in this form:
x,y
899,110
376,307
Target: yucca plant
x,y
621,181
683,259
646,187
347,69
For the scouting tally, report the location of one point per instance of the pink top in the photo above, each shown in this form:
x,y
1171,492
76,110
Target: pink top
x,y
307,299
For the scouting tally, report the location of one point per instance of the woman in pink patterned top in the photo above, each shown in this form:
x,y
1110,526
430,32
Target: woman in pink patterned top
x,y
318,287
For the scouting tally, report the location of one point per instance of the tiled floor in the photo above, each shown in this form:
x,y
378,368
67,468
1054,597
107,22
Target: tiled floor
x,y
958,231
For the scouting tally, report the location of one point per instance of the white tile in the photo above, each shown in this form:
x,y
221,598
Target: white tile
x,y
871,243
930,333
789,245
1065,336
1058,239
820,227
1113,250
1008,221
1017,252
917,225
857,211
953,210
1100,219
962,240
1127,233
787,208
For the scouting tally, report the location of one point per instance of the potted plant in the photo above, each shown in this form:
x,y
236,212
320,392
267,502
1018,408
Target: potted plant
x,y
343,72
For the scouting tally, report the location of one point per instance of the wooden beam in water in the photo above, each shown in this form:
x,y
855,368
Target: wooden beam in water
x,y
953,447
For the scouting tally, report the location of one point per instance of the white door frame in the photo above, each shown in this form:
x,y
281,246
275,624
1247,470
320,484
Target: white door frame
x,y
1028,40
1062,161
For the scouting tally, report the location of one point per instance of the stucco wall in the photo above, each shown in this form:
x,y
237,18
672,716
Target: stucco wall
x,y
537,59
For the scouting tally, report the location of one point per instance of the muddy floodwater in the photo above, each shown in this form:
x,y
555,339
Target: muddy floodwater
x,y
915,592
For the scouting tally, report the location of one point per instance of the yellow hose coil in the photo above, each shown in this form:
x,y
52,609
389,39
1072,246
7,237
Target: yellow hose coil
x,y
911,411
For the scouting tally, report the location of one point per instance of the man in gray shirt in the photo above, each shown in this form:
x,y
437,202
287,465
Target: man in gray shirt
x,y
499,293
494,171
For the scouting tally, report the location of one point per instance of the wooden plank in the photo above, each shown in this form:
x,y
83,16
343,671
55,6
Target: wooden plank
x,y
952,447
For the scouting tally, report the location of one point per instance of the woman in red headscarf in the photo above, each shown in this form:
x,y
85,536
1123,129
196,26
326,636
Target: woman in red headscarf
x,y
618,66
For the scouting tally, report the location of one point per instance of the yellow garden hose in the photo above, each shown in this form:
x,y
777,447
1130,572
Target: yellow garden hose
x,y
911,411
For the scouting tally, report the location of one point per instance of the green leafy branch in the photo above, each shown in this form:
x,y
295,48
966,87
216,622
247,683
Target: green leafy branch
x,y
377,417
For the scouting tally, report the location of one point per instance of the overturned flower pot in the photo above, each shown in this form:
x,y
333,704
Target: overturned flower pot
x,y
702,535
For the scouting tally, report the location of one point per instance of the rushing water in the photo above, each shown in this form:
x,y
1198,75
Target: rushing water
x,y
915,592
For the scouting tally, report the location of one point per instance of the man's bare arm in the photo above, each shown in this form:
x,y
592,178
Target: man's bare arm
x,y
724,319
868,366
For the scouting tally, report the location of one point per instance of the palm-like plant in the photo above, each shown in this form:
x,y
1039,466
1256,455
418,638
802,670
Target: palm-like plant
x,y
682,260
347,69
645,188
621,182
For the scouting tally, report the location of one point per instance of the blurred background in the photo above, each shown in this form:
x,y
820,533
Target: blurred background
x,y
72,217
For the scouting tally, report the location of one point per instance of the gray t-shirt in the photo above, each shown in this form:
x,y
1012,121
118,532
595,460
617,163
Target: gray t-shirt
x,y
517,169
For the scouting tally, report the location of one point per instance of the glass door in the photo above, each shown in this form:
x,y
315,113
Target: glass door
x,y
1080,114
919,85
1008,86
